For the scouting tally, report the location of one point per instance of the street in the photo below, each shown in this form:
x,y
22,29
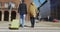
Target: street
x,y
39,27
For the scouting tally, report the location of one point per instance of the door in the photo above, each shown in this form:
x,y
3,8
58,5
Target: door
x,y
6,16
13,15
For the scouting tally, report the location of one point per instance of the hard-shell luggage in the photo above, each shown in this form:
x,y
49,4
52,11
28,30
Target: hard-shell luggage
x,y
14,24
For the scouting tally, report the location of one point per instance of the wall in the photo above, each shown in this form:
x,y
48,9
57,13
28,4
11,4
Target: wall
x,y
45,9
15,9
55,9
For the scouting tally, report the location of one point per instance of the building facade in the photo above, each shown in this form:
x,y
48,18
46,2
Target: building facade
x,y
55,9
5,14
50,8
45,9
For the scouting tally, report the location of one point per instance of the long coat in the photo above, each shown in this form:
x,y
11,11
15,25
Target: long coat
x,y
32,10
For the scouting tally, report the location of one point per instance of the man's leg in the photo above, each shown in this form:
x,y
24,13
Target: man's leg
x,y
20,20
23,20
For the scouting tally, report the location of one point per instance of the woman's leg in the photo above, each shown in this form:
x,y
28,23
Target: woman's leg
x,y
32,19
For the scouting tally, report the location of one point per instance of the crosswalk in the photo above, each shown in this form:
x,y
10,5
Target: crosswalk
x,y
42,28
35,28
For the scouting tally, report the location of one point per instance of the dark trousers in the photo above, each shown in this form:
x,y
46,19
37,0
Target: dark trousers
x,y
32,19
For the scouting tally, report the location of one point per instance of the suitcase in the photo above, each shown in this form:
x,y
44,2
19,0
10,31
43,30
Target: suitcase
x,y
14,24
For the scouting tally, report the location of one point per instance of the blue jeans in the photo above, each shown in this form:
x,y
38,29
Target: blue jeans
x,y
22,19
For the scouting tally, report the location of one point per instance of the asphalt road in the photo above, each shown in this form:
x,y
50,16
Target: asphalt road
x,y
39,27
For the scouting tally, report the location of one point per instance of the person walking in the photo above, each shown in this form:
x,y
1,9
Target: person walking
x,y
32,12
22,9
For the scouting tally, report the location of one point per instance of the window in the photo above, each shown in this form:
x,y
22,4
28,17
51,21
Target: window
x,y
0,4
13,4
6,5
42,1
